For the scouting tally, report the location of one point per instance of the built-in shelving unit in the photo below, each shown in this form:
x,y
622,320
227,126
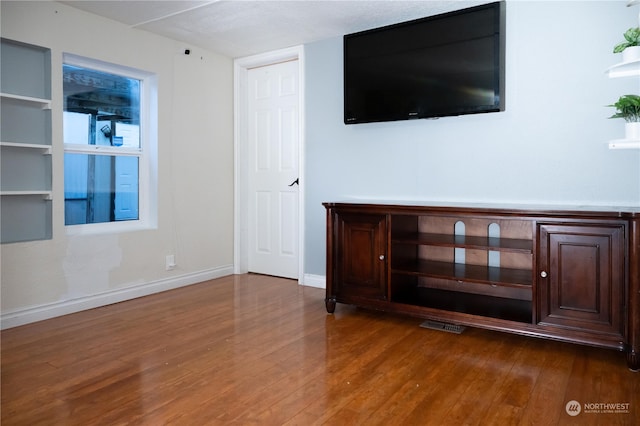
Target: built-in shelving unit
x,y
25,142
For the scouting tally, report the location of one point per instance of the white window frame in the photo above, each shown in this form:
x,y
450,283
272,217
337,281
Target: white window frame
x,y
147,153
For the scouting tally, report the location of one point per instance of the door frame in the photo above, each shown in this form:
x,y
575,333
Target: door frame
x,y
241,67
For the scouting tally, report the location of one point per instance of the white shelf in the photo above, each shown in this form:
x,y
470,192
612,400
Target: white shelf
x,y
44,194
25,95
42,103
624,144
46,149
624,69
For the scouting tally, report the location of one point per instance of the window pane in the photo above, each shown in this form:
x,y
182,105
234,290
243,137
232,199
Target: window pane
x,y
100,188
106,97
101,109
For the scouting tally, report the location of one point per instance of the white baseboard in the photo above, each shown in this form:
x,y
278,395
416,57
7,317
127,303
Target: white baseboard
x,y
43,312
318,281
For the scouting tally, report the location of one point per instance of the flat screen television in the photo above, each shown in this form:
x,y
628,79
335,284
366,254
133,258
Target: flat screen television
x,y
438,66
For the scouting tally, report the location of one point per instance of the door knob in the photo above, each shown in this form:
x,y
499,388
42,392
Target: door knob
x,y
295,182
543,274
381,257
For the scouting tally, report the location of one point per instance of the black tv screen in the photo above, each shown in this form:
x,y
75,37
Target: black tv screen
x,y
438,66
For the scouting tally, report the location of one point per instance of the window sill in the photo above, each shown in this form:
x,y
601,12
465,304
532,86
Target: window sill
x,y
109,228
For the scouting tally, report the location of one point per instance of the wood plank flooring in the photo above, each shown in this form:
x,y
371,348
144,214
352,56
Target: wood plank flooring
x,y
257,350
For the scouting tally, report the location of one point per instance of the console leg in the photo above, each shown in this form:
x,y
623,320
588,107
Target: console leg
x,y
330,303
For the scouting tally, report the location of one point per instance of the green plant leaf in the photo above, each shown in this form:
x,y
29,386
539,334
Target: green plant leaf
x,y
628,108
618,48
632,37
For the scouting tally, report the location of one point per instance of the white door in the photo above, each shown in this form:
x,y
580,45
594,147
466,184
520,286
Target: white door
x,y
273,134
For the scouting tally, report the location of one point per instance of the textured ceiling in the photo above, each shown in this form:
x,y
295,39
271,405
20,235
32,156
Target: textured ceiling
x,y
238,28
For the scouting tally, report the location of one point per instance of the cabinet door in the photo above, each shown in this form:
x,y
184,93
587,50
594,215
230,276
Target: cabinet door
x,y
361,258
581,280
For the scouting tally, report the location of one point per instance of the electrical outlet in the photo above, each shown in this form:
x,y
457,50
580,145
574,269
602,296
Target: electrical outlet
x,y
171,262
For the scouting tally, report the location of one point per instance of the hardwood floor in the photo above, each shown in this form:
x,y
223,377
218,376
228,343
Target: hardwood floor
x,y
252,349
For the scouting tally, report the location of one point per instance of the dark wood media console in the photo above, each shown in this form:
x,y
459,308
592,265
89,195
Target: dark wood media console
x,y
570,274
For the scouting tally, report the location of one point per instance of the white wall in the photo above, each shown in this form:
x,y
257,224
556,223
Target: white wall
x,y
195,151
549,146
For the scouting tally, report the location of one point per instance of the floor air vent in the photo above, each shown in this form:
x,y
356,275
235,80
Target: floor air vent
x,y
442,326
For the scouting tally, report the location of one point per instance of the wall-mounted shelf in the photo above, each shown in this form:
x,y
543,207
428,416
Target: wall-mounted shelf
x,y
624,69
624,144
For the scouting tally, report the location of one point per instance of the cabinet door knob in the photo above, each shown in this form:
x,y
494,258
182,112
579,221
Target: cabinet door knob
x,y
543,274
381,257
